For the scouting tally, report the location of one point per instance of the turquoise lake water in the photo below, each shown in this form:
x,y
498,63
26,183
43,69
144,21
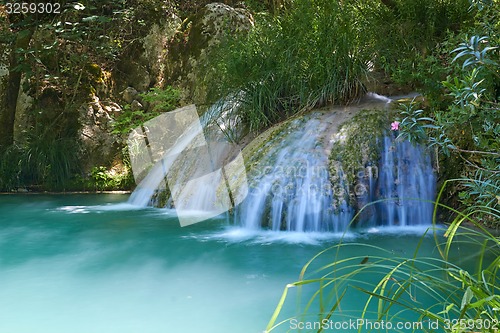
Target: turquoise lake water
x,y
92,264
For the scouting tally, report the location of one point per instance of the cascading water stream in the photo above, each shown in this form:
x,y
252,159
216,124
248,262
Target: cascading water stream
x,y
408,181
295,192
291,187
292,184
192,163
169,156
152,182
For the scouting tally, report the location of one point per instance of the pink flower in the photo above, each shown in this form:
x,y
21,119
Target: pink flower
x,y
395,126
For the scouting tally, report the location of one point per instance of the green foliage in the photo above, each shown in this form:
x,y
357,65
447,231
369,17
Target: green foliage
x,y
40,163
481,195
160,100
411,49
414,124
470,124
474,51
308,56
62,44
476,106
103,179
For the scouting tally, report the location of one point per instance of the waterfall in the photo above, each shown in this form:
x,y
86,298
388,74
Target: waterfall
x,y
295,187
407,182
189,160
291,187
292,183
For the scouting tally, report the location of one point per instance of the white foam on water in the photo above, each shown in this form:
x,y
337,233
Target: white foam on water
x,y
119,207
375,96
74,209
255,236
417,230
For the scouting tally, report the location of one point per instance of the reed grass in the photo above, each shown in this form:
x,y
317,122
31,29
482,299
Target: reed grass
x,y
457,298
308,56
46,164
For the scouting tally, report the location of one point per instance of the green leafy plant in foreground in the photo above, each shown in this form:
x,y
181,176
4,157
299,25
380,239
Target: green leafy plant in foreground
x,y
457,298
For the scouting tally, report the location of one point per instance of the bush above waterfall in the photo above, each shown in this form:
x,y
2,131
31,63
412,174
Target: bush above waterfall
x,y
465,124
308,56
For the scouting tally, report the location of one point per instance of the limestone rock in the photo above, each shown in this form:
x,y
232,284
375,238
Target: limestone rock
x,y
100,146
380,83
142,65
197,35
136,105
24,104
129,94
111,108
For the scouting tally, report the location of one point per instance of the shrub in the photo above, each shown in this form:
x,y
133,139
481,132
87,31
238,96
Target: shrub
x,y
407,38
468,126
160,100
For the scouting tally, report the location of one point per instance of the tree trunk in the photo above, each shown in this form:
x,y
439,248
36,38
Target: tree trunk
x,y
8,103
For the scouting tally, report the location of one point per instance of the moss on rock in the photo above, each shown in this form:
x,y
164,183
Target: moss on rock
x,y
357,145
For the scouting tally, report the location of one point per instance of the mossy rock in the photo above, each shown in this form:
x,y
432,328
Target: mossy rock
x,y
356,151
357,144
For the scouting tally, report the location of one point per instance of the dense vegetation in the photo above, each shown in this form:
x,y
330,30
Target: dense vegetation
x,y
61,61
300,54
318,52
310,55
465,120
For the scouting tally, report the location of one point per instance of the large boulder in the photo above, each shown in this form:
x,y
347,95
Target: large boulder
x,y
101,146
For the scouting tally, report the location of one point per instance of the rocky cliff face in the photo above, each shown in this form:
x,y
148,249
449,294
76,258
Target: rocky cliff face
x,y
140,68
77,87
169,54
193,41
4,56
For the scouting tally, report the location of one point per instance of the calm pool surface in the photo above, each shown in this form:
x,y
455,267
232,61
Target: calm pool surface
x,y
90,263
